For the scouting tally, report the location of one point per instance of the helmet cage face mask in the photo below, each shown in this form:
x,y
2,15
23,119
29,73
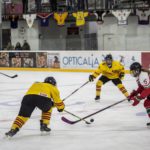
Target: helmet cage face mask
x,y
109,62
135,73
135,69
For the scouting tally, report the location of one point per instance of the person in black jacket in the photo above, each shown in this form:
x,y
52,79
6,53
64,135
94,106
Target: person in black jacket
x,y
25,6
26,45
18,46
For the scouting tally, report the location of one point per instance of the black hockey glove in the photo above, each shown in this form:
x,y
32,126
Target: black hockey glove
x,y
60,110
121,76
91,78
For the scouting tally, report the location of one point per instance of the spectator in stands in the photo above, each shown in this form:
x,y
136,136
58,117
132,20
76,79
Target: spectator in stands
x,y
26,46
25,6
38,5
18,46
9,46
53,4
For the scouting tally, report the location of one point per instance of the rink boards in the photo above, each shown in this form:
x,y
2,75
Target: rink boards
x,y
67,61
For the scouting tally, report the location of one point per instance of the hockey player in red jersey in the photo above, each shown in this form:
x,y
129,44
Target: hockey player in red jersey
x,y
143,91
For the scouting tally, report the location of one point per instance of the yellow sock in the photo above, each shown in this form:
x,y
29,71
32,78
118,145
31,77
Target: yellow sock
x,y
46,116
98,87
123,90
19,122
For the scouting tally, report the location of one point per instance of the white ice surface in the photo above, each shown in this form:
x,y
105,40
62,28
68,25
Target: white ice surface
x,y
122,127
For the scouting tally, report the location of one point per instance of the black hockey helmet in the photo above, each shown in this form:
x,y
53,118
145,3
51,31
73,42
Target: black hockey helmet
x,y
135,69
108,57
50,80
108,60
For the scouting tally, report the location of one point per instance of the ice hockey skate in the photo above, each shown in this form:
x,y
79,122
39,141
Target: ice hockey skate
x,y
11,133
44,129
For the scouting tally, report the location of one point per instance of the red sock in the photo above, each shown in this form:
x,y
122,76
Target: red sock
x,y
147,106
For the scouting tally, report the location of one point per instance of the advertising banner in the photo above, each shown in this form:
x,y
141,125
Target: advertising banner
x,y
41,60
4,59
145,56
22,59
69,59
53,60
91,59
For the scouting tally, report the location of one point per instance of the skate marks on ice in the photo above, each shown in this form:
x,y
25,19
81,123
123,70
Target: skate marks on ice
x,y
35,134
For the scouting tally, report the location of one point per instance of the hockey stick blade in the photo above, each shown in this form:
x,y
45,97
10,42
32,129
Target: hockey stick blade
x,y
73,122
67,121
14,76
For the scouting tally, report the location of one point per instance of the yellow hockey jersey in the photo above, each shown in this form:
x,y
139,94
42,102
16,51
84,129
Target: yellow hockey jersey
x,y
111,73
80,17
46,90
60,17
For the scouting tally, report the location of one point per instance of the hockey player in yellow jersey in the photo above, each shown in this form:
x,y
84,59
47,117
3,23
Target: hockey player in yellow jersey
x,y
43,95
109,70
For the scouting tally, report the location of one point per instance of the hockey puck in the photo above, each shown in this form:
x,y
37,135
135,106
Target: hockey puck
x,y
91,120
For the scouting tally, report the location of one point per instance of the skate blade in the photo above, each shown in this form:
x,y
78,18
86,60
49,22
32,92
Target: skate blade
x,y
7,137
97,101
44,133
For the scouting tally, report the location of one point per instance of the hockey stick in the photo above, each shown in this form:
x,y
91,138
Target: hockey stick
x,y
73,122
76,117
14,76
75,90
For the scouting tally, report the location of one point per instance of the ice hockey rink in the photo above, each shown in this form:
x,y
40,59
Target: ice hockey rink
x,y
120,127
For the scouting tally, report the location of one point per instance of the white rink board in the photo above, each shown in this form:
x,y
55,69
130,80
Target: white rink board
x,y
91,59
